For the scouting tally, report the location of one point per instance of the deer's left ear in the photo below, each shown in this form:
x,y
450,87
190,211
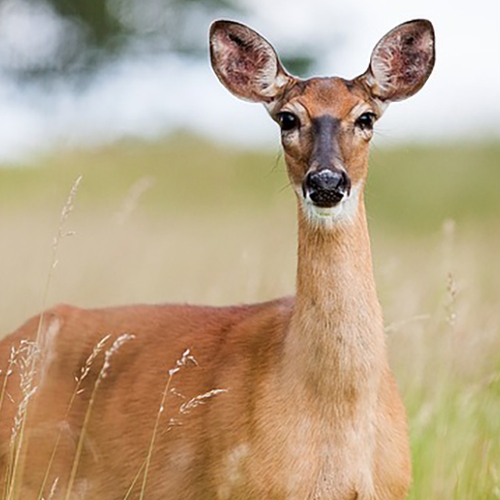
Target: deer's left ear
x,y
401,62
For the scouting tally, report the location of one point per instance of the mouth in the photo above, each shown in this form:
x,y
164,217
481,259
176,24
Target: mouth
x,y
326,194
324,198
332,208
323,210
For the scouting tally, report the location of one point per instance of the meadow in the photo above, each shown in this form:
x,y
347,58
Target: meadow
x,y
183,220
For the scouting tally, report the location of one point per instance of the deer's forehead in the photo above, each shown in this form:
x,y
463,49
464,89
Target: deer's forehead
x,y
334,96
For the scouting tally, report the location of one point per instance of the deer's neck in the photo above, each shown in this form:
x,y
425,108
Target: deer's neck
x,y
335,344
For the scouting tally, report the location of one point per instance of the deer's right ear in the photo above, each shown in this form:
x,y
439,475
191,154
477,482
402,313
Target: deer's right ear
x,y
246,63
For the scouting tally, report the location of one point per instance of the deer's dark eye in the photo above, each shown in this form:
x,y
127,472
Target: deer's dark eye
x,y
366,121
287,121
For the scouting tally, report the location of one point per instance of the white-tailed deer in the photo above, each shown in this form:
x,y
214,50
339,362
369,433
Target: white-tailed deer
x,y
288,399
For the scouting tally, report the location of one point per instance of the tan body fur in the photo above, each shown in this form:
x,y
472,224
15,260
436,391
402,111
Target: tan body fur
x,y
310,410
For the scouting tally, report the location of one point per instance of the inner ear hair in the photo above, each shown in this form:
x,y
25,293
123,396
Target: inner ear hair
x,y
245,62
402,61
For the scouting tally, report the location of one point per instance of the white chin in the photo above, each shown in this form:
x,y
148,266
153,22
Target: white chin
x,y
324,212
322,216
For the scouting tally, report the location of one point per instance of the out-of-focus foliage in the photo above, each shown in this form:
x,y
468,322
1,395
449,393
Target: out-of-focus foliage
x,y
173,24
43,37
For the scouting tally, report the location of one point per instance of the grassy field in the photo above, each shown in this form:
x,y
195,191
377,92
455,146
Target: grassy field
x,y
183,220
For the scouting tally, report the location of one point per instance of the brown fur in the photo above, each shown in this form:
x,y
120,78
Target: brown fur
x,y
310,409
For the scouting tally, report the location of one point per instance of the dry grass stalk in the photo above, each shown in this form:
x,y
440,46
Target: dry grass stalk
x,y
85,370
102,375
183,409
199,400
61,234
131,200
28,359
25,358
53,488
6,375
449,244
185,359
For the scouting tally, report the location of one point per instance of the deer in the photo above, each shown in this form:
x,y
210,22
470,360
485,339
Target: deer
x,y
290,399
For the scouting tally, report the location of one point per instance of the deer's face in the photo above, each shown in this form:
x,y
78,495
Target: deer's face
x,y
326,126
326,123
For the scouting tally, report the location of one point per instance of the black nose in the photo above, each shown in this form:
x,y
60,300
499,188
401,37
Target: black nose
x,y
326,187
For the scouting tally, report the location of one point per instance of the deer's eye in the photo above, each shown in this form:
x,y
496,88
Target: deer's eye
x,y
366,121
287,121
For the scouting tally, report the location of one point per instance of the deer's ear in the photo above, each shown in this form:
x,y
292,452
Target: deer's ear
x,y
246,63
401,62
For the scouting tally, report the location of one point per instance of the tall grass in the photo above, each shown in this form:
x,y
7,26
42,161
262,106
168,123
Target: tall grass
x,y
447,362
27,358
187,221
88,413
84,372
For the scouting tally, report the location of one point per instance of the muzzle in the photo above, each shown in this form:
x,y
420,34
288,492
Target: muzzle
x,y
326,188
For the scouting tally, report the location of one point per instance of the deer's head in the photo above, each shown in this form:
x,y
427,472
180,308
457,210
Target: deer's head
x,y
326,123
